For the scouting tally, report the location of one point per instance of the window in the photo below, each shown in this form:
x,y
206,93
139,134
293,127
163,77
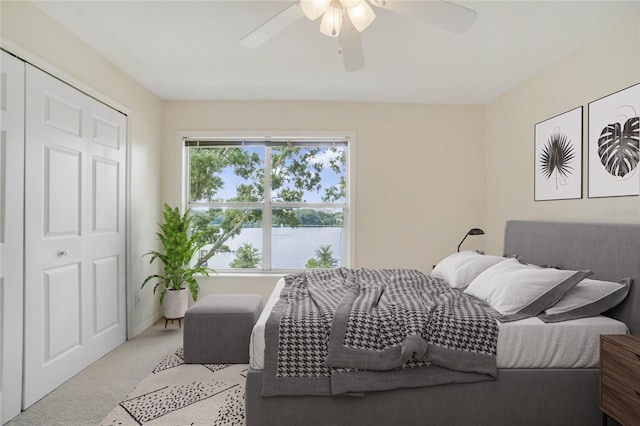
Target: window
x,y
269,205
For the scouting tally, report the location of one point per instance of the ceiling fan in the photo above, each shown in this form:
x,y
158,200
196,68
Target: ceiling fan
x,y
345,19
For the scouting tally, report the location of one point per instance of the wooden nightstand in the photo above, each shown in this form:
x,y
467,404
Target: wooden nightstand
x,y
620,378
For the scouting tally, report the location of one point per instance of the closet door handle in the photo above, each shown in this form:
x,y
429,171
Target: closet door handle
x,y
63,253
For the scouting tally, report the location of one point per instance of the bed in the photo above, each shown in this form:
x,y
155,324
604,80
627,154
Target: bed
x,y
523,396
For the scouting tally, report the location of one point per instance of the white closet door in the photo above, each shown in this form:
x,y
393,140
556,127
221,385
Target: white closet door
x,y
11,236
106,152
74,234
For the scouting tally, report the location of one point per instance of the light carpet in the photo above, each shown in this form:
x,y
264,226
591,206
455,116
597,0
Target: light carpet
x,y
177,394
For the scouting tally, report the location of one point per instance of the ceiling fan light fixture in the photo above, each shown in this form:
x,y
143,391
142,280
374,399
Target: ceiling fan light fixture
x,y
361,15
313,9
331,21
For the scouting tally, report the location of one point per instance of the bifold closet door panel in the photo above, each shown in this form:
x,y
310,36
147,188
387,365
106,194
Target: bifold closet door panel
x,y
106,242
74,233
11,233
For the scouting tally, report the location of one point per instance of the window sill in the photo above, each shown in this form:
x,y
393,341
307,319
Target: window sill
x,y
253,274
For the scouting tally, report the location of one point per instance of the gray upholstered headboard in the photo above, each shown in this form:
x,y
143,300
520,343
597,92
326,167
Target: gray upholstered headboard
x,y
611,251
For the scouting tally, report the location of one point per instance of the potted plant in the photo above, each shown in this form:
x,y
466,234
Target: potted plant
x,y
178,250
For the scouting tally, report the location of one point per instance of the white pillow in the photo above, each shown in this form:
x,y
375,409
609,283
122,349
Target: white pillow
x,y
587,299
519,291
459,269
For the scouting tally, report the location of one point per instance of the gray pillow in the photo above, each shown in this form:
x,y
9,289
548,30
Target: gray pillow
x,y
587,299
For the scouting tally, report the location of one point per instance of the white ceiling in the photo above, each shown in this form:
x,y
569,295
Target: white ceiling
x,y
189,50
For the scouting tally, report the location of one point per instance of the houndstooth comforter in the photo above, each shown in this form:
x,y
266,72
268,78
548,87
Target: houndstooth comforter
x,y
356,330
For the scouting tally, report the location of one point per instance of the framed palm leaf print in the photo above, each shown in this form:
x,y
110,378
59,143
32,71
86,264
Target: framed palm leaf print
x,y
558,157
614,144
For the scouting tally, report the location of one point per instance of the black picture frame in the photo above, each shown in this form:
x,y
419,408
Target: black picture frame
x,y
558,157
614,144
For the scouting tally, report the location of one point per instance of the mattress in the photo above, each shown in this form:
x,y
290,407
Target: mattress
x,y
527,343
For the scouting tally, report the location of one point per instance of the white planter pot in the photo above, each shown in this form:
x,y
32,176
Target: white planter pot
x,y
175,303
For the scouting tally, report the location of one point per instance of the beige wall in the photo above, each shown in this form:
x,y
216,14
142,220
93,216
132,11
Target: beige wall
x,y
605,65
419,172
26,31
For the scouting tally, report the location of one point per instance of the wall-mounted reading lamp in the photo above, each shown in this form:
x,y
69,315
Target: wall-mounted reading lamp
x,y
473,231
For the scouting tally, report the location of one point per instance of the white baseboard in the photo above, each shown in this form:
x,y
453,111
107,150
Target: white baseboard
x,y
142,327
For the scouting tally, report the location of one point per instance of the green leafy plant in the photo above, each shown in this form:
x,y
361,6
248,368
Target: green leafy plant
x,y
247,256
324,258
178,249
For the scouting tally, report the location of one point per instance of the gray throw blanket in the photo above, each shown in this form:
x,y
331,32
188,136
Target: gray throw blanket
x,y
351,331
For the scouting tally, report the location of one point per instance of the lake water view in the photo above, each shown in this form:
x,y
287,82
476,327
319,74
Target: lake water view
x,y
291,247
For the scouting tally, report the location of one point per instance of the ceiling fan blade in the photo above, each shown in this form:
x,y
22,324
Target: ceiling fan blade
x,y
448,16
351,46
273,26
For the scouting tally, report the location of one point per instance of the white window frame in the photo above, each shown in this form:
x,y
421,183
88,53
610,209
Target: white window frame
x,y
266,206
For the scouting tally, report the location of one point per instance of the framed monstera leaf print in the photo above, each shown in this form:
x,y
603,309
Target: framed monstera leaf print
x,y
558,157
614,144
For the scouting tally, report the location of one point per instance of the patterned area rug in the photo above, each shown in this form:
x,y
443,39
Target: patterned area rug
x,y
176,393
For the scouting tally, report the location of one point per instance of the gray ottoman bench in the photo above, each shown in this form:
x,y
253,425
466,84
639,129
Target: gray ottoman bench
x,y
217,328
